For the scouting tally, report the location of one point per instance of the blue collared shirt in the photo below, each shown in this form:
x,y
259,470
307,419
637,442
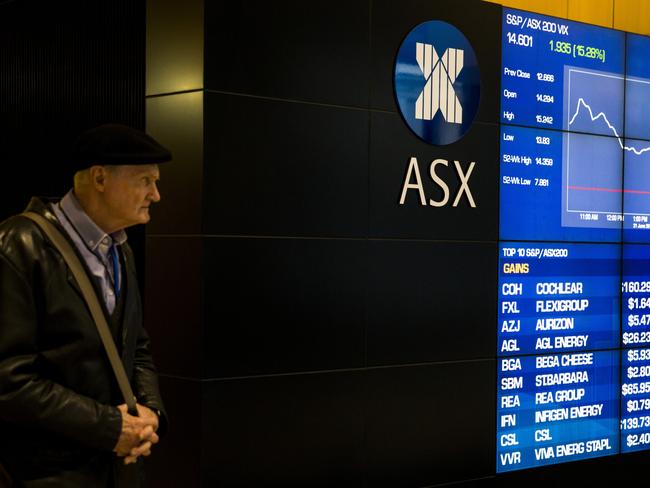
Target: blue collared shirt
x,y
93,243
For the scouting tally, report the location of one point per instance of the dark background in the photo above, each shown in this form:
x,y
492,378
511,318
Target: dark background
x,y
65,66
310,331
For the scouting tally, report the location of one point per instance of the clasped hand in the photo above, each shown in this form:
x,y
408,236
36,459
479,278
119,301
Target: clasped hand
x,y
138,433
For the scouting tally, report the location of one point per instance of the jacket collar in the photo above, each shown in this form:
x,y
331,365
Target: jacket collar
x,y
41,206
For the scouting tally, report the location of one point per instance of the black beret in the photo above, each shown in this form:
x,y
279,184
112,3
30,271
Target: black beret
x,y
116,144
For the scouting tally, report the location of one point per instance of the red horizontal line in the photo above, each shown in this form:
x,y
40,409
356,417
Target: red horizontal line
x,y
611,190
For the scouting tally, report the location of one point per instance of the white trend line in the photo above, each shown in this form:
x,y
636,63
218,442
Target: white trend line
x,y
582,102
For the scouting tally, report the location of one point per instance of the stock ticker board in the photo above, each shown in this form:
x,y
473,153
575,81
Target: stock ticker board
x,y
573,348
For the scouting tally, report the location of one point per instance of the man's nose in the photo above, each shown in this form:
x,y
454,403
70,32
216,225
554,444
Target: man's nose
x,y
155,194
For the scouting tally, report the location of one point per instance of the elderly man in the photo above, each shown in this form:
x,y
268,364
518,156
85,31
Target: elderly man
x,y
63,421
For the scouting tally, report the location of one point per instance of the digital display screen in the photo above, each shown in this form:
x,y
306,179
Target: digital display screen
x,y
558,379
573,331
584,93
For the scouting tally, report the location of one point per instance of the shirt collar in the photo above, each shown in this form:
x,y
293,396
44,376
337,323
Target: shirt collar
x,y
88,230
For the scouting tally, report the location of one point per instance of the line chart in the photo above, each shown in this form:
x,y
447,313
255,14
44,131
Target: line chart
x,y
582,103
606,179
602,97
593,149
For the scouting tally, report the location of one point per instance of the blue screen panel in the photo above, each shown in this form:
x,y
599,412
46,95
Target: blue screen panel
x,y
567,76
573,344
554,69
560,186
637,87
635,361
636,295
558,297
592,182
557,408
635,400
636,193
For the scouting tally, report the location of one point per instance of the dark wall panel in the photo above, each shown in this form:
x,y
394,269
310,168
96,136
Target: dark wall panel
x,y
173,303
392,21
177,120
288,431
393,146
316,51
282,305
175,39
430,424
431,301
176,459
284,169
486,482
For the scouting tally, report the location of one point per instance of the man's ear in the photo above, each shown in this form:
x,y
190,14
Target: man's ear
x,y
98,177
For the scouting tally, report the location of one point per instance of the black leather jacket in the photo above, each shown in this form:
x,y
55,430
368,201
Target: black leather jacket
x,y
58,420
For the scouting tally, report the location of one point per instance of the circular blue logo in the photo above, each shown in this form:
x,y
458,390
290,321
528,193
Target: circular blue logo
x,y
437,82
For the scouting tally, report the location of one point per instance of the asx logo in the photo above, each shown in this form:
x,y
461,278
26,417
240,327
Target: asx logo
x,y
438,92
438,95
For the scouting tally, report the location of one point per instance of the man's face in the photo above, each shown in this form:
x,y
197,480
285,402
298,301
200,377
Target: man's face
x,y
129,191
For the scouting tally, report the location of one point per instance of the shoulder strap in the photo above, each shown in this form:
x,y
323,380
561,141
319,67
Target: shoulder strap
x,y
78,271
